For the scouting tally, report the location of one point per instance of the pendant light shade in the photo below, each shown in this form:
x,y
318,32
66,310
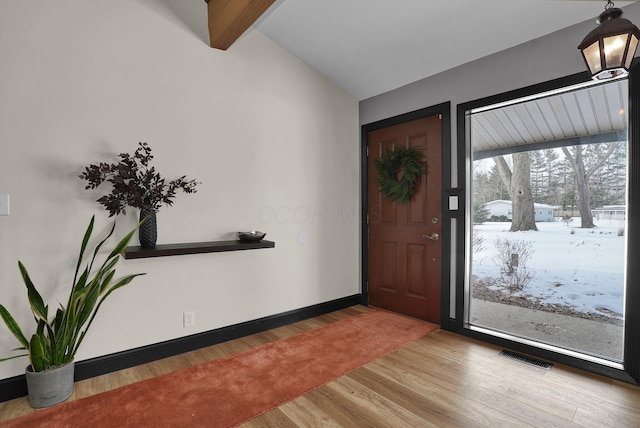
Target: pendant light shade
x,y
609,49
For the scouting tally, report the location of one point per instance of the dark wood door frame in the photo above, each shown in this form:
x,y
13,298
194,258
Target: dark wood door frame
x,y
443,109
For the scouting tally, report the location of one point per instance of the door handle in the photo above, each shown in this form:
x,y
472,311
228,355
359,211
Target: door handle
x,y
433,236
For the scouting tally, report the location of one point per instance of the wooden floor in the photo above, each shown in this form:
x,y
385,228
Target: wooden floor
x,y
442,380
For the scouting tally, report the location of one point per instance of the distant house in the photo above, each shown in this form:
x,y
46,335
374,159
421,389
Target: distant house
x,y
610,212
498,208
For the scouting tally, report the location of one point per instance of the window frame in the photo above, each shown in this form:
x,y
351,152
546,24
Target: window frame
x,y
631,371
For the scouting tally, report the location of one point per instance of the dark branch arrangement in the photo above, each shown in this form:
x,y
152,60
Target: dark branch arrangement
x,y
134,182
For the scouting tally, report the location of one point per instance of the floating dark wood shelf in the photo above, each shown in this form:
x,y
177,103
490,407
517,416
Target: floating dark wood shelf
x,y
194,248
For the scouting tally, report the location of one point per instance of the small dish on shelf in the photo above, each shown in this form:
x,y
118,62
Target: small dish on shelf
x,y
252,236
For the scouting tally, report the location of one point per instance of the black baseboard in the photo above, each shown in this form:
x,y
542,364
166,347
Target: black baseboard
x,y
16,386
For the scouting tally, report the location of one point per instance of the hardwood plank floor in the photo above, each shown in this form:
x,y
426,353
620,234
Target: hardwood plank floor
x,y
440,380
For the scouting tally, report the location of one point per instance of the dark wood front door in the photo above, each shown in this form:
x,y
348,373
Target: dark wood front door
x,y
404,257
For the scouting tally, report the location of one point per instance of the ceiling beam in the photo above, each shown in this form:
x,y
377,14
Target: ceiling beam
x,y
605,137
229,19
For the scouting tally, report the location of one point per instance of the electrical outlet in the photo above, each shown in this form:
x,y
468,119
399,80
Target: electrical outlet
x,y
188,319
4,204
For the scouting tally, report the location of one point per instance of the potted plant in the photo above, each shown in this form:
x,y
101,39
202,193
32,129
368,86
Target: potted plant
x,y
56,340
136,184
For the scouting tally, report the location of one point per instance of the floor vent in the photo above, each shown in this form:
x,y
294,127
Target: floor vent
x,y
526,359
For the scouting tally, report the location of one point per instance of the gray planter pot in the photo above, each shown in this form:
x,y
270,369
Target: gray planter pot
x,y
50,386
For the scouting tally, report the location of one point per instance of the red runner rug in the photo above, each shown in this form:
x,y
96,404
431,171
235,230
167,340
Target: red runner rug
x,y
231,390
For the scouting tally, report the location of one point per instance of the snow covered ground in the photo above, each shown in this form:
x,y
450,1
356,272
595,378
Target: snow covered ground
x,y
580,268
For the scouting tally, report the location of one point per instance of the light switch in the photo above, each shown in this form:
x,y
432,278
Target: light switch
x,y
4,204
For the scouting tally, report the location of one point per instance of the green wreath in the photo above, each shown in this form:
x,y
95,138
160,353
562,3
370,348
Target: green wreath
x,y
390,165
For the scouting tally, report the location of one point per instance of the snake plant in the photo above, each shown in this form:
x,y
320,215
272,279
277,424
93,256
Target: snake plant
x,y
56,340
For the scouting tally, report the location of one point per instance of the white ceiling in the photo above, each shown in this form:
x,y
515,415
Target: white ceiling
x,y
369,47
598,112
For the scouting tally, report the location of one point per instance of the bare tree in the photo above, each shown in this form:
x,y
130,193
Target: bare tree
x,y
487,185
512,258
582,175
518,183
608,183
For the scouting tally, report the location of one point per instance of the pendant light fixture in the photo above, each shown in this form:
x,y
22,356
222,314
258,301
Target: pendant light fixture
x,y
609,49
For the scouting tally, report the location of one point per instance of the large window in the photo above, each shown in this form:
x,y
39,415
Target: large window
x,y
547,228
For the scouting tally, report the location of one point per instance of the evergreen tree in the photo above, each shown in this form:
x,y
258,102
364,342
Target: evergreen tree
x,y
539,178
567,194
553,176
488,186
480,212
608,183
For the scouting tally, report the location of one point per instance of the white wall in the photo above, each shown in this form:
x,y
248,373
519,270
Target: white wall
x,y
274,144
499,208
